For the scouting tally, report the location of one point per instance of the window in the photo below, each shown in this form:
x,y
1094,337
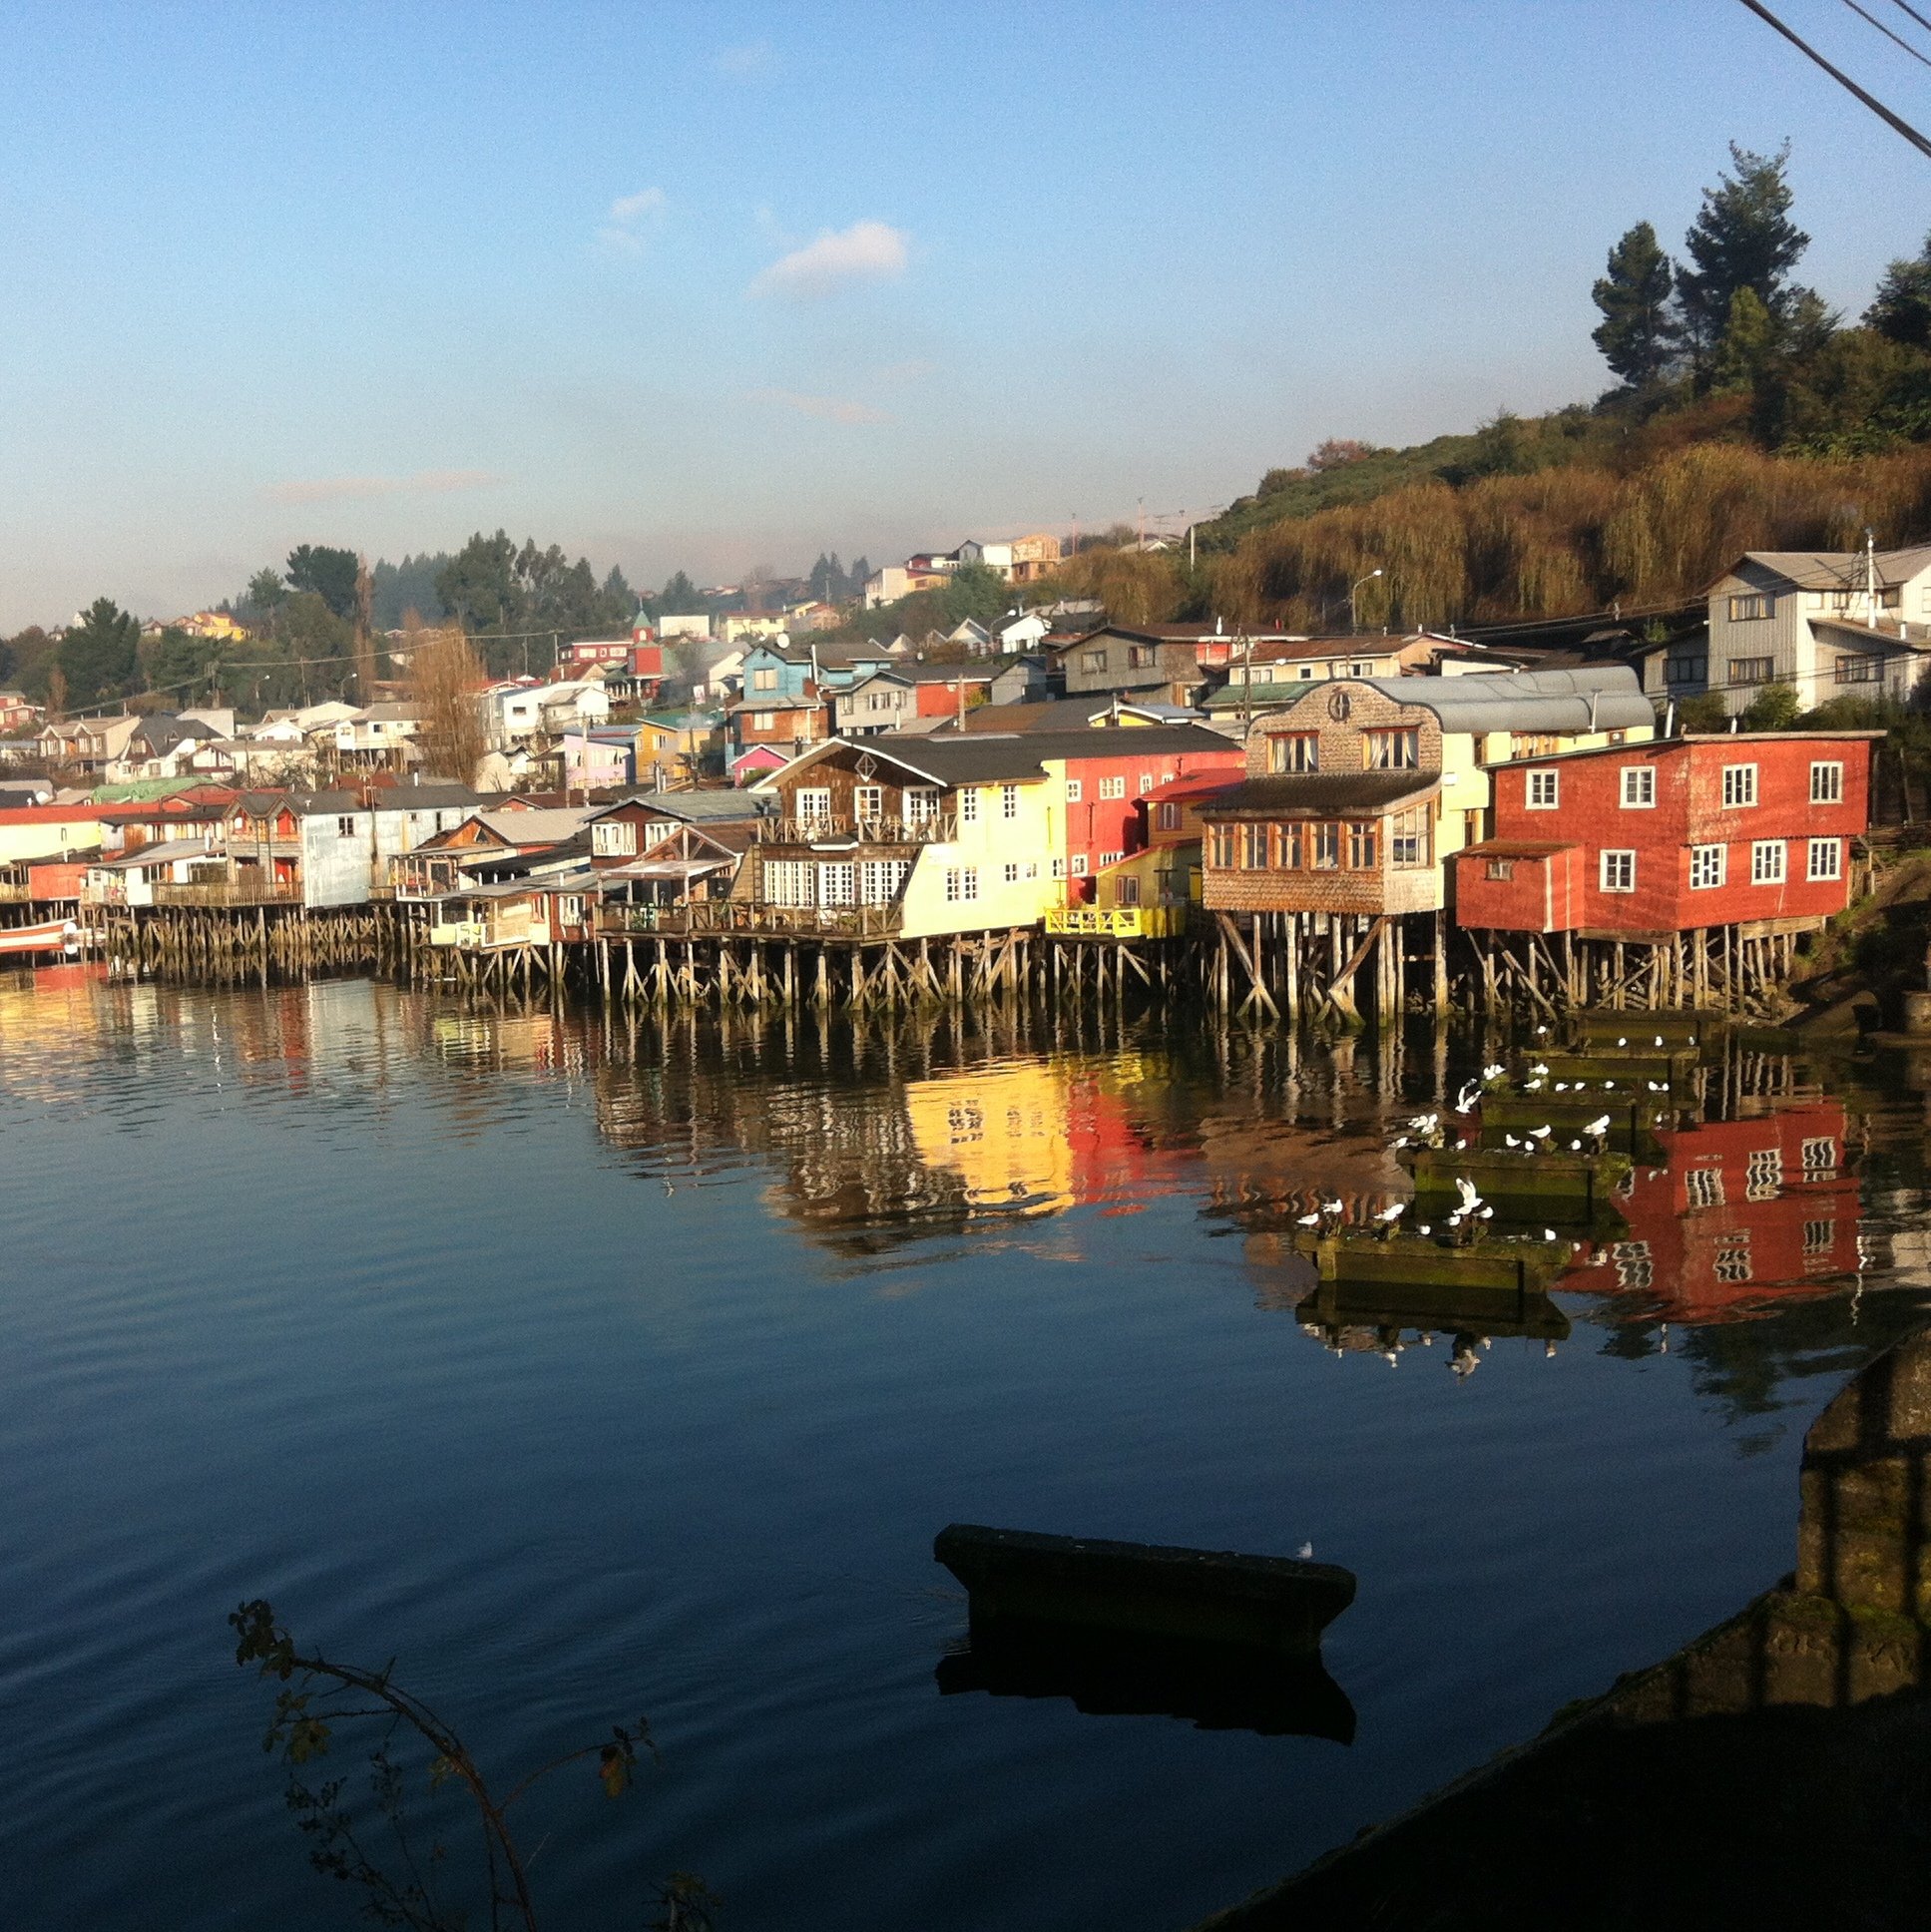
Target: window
x,y
1826,858
1704,1187
1079,865
1139,656
838,884
1359,670
1635,1264
1009,802
1618,872
1092,661
1253,847
1499,869
1295,751
1857,668
1746,610
789,882
1751,670
1819,1157
813,805
1734,1256
1075,792
1288,845
1686,667
1220,846
764,720
1408,839
1110,858
968,804
1533,745
1129,891
1392,750
1112,787
1708,866
921,804
1638,786
961,884
345,828
1827,784
1325,848
1545,790
1170,818
1819,1237
1010,873
1766,862
1360,846
613,838
869,803
1059,868
1146,783
763,680
1763,1174
1739,785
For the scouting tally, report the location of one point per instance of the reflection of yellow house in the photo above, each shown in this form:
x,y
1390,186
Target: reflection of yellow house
x,y
1003,1131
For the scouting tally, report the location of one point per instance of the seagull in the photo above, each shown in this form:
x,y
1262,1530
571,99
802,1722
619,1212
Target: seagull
x,y
1623,1042
1307,1221
1466,1188
1394,1213
1575,1146
1334,1208
1540,1030
1424,1228
1485,1213
1509,1139
1530,1086
1305,1550
1609,1086
1549,1235
1562,1085
1538,1067
1539,1133
1658,1039
1461,1142
1400,1140
1598,1127
1465,1100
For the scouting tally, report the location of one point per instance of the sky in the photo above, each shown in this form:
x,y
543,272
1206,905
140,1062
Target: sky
x,y
716,286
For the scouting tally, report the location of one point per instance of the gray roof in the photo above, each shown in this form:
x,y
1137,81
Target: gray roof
x,y
984,757
1589,697
1836,570
733,806
1322,794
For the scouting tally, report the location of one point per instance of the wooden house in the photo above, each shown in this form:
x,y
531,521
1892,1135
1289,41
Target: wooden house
x,y
1749,829
634,826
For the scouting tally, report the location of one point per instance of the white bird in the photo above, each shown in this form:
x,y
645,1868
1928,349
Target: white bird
x,y
1538,1067
1609,1086
1334,1208
1623,1042
1548,1233
1562,1085
1394,1213
1400,1140
1531,1086
1465,1100
1598,1126
1575,1146
1305,1550
1540,1030
1424,1228
1539,1133
1692,1040
1461,1142
1307,1220
1485,1213
1658,1039
1509,1139
1470,1199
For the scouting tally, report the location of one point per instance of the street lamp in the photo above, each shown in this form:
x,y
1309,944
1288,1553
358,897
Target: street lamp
x,y
1354,617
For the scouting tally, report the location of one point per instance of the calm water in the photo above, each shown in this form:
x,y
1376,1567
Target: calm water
x,y
591,1371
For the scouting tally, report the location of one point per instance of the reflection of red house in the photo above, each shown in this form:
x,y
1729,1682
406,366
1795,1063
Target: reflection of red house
x,y
1744,1215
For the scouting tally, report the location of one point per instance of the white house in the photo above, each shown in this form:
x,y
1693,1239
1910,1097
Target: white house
x,y
687,624
377,735
1828,622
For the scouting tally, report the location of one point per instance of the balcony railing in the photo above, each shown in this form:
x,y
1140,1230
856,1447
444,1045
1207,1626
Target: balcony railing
x,y
12,894
230,892
842,922
621,921
1117,922
938,830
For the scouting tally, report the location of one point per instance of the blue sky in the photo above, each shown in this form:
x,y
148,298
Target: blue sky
x,y
712,286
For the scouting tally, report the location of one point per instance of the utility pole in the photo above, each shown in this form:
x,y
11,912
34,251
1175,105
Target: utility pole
x,y
1870,578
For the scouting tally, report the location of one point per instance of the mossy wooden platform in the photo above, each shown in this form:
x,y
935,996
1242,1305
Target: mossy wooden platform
x,y
1563,1189
1451,1310
1626,1068
1362,1259
1681,1027
1632,1121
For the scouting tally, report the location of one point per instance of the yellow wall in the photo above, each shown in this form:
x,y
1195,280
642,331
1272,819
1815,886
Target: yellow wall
x,y
1003,1131
47,838
1030,843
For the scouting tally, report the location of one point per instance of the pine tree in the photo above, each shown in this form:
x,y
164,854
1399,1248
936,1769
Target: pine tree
x,y
1639,335
1742,237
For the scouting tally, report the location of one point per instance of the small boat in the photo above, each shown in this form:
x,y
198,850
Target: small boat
x,y
51,936
1278,1605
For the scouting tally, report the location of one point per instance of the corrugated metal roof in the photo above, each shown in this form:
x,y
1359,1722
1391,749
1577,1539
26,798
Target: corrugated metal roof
x,y
1323,794
1589,698
1837,570
985,758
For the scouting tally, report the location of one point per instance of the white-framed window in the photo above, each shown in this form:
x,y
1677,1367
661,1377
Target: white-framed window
x,y
1820,1157
1708,866
1059,868
813,803
1169,817
345,828
1618,872
1767,861
613,838
1739,785
1079,865
1110,858
1826,859
838,883
1146,783
968,804
1702,1187
1543,791
1763,1174
1009,802
1010,873
961,884
921,804
868,802
1032,868
790,882
1750,608
763,680
1075,792
1112,787
1638,786
880,878
764,720
1827,782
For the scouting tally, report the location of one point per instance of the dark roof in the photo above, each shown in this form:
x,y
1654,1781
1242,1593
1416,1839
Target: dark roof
x,y
1323,794
732,807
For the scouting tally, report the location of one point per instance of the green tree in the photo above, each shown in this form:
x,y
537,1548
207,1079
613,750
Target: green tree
x,y
265,594
1639,335
1773,708
330,574
100,656
1901,309
1742,237
477,587
678,595
1748,343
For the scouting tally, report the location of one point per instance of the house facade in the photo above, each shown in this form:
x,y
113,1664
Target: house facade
x,y
879,700
1673,836
1358,792
1830,624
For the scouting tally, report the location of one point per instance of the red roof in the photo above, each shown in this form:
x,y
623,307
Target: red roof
x,y
1194,787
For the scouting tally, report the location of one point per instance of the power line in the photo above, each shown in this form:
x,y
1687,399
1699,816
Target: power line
x,y
1886,32
1913,12
1842,78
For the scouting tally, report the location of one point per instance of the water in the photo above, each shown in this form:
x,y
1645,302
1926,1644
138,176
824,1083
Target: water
x,y
595,1370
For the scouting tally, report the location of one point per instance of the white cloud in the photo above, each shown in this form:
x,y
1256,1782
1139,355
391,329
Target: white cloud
x,y
750,62
826,408
339,489
866,252
629,214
